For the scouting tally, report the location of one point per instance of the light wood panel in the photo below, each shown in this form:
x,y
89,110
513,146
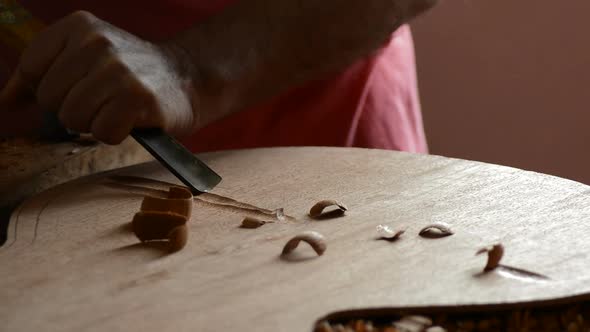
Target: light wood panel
x,y
72,264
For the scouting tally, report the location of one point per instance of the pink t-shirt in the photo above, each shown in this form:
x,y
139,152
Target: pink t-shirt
x,y
373,103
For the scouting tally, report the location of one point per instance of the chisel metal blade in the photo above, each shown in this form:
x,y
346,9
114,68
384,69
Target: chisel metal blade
x,y
182,163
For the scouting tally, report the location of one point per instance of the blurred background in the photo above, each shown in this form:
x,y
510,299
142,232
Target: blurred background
x,y
508,82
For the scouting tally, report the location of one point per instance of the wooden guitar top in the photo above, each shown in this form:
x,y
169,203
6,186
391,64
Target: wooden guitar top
x,y
71,262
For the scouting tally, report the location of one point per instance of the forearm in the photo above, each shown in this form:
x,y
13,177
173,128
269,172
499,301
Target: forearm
x,y
258,48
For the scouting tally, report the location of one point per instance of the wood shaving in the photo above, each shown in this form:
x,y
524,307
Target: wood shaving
x,y
388,233
421,320
436,230
165,218
142,184
155,225
179,200
405,324
495,253
314,239
413,323
252,223
317,211
435,329
565,317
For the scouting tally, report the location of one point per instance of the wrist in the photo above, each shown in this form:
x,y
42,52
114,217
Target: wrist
x,y
203,80
182,72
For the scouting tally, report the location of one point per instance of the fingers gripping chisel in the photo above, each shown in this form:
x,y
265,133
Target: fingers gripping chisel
x,y
18,27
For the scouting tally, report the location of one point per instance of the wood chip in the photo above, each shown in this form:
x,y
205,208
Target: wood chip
x,y
314,239
388,233
436,230
495,253
317,211
252,223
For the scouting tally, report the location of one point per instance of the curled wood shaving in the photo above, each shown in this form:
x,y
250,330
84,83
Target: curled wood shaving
x,y
436,230
165,218
251,223
388,233
317,211
179,200
155,225
314,239
495,253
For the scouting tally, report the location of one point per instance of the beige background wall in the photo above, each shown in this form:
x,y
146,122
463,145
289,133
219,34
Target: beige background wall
x,y
508,82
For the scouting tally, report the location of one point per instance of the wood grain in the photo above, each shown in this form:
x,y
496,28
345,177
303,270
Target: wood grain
x,y
71,262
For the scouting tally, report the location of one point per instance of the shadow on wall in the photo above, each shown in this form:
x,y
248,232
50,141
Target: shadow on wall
x,y
508,82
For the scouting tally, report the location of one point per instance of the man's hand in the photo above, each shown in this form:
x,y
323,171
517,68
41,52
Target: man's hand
x,y
105,81
102,80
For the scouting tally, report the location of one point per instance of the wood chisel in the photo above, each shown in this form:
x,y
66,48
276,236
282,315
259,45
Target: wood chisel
x,y
18,27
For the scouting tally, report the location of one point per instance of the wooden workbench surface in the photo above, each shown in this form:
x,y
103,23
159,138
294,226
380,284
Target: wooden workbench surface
x,y
30,166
